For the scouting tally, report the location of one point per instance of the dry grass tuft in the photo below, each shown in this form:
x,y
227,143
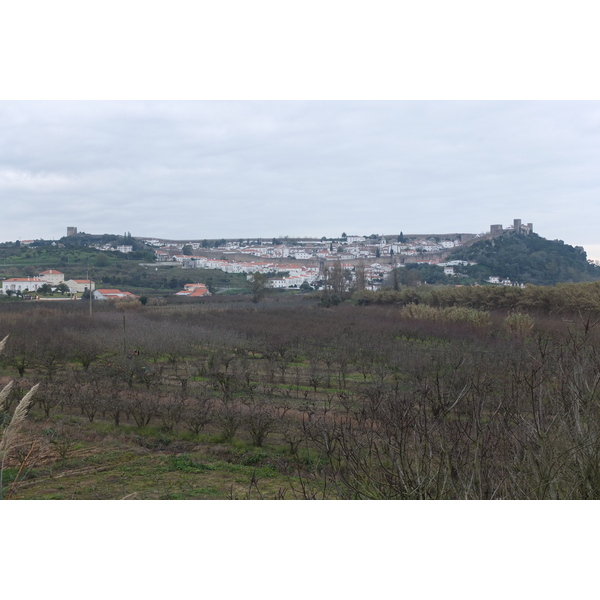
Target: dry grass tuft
x,y
9,435
17,419
4,395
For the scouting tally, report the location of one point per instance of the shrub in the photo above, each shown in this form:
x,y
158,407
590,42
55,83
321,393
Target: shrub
x,y
186,464
450,314
518,323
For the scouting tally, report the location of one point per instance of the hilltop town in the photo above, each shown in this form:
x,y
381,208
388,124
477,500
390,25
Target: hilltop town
x,y
305,261
364,262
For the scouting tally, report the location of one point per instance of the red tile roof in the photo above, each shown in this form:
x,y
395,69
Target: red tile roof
x,y
198,292
194,285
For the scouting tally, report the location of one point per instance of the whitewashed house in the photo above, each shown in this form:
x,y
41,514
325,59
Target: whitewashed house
x,y
22,284
79,286
301,254
112,294
52,276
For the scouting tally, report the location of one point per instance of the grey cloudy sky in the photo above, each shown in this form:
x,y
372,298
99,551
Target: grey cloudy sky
x,y
211,169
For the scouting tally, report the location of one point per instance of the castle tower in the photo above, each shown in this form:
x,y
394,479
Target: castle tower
x,y
71,231
517,225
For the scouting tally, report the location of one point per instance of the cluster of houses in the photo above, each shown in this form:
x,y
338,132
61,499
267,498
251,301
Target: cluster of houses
x,y
22,285
506,282
56,280
347,248
124,248
297,273
29,286
313,255
302,261
253,256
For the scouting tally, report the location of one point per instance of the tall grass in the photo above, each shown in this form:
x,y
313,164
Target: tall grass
x,y
9,435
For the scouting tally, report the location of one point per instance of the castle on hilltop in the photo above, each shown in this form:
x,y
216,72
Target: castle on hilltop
x,y
517,227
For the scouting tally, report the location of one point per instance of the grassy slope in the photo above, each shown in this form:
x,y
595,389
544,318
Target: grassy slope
x,y
105,462
110,269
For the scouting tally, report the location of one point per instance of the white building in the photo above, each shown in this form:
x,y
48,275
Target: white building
x,y
447,244
52,277
79,286
32,284
112,294
301,254
287,282
22,284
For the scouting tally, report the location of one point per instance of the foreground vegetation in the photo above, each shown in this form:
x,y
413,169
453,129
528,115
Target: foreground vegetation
x,y
421,398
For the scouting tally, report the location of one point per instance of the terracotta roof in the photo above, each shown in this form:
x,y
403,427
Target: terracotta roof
x,y
193,293
194,285
198,292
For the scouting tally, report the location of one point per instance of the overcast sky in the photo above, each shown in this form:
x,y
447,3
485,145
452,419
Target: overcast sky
x,y
211,169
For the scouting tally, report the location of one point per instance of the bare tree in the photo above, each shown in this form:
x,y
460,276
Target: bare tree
x,y
199,410
260,420
229,417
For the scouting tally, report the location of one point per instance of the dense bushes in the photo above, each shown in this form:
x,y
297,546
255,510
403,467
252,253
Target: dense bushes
x,y
566,298
450,314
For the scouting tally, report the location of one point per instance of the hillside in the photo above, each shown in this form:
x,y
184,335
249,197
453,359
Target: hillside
x,y
108,269
528,259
